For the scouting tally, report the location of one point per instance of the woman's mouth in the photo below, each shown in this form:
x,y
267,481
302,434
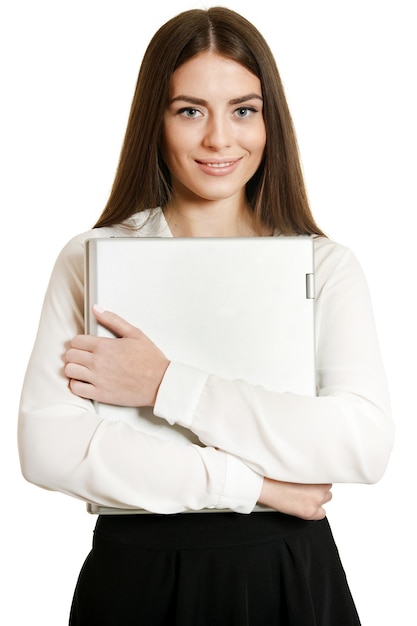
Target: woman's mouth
x,y
218,168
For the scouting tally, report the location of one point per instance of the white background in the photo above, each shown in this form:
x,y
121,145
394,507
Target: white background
x,y
68,71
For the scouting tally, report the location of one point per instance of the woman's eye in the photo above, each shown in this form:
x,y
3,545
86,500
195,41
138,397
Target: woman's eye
x,y
244,111
189,112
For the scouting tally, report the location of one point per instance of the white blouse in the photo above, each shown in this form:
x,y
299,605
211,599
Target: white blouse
x,y
344,434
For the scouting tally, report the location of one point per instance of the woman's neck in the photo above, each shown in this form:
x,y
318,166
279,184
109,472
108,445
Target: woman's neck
x,y
214,220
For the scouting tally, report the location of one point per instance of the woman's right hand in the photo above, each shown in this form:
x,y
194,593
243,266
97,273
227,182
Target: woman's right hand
x,y
299,500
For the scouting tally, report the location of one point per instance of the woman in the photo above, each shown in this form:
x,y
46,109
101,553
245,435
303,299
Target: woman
x,y
209,151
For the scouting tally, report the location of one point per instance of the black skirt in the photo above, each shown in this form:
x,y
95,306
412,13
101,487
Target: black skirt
x,y
217,569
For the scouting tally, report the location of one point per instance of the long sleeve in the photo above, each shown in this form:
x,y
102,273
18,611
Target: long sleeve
x,y
343,434
65,446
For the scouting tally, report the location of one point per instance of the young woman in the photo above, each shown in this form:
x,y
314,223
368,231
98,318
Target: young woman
x,y
209,151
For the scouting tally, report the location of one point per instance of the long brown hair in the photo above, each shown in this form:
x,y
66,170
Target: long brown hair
x,y
277,191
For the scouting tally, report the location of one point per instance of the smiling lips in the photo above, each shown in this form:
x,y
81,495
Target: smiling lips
x,y
218,168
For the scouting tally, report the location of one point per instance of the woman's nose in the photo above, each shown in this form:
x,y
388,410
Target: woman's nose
x,y
217,133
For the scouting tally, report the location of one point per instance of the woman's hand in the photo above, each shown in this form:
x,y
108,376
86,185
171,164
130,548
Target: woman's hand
x,y
126,370
304,501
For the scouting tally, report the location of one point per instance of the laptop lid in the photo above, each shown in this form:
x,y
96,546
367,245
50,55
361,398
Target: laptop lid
x,y
236,307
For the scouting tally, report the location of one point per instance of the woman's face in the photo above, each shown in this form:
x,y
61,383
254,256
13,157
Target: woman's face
x,y
213,131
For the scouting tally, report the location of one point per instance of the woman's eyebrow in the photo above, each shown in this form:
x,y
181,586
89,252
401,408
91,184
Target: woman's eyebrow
x,y
189,99
202,102
250,96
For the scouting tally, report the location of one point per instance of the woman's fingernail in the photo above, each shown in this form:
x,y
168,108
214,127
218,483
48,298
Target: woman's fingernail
x,y
98,308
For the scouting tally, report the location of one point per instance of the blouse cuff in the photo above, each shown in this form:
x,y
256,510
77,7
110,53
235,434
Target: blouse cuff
x,y
179,394
242,487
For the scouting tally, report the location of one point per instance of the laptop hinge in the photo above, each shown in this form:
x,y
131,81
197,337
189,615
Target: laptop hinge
x,y
310,292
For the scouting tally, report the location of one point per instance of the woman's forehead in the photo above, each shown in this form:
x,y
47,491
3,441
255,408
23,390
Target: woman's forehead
x,y
210,72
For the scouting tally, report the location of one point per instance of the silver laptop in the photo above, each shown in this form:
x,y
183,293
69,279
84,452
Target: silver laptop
x,y
241,308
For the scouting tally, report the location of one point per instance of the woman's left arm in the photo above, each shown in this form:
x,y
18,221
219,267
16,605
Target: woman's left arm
x,y
344,434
